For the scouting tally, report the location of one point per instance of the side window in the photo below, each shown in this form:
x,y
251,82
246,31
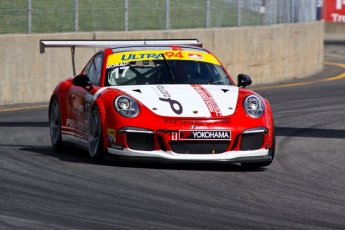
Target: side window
x,y
87,68
95,69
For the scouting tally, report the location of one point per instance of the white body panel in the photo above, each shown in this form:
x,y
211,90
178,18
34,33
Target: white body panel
x,y
185,100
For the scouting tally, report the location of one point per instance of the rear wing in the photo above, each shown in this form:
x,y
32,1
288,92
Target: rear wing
x,y
111,44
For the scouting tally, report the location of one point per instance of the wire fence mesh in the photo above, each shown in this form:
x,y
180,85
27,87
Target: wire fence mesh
x,y
41,16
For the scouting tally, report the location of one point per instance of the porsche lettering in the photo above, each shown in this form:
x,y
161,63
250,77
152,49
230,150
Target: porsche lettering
x,y
76,125
71,123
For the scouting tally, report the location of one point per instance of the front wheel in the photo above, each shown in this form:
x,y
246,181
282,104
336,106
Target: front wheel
x,y
96,148
55,124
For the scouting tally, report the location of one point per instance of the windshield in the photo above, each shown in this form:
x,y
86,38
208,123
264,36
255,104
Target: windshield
x,y
165,70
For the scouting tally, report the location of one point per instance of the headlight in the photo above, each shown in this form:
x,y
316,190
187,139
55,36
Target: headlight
x,y
253,106
126,106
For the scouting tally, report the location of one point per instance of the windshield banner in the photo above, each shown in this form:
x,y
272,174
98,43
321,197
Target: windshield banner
x,y
132,56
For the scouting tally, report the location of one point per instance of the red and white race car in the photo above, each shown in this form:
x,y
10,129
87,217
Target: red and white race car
x,y
167,99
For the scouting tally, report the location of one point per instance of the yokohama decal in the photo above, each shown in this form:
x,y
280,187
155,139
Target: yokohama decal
x,y
208,99
205,135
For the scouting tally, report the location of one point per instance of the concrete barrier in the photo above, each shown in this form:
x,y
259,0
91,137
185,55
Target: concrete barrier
x,y
268,54
334,31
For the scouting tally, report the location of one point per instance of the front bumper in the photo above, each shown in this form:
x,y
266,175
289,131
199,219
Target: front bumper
x,y
248,145
233,156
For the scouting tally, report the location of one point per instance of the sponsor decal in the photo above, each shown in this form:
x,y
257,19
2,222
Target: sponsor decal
x,y
71,123
117,65
145,55
111,135
141,56
78,111
76,125
116,146
196,56
334,10
204,135
174,136
174,105
209,100
88,99
163,91
198,127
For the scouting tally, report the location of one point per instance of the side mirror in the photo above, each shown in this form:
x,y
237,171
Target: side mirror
x,y
243,80
82,80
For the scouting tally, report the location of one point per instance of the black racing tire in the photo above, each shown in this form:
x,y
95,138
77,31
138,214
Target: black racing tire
x,y
97,151
55,124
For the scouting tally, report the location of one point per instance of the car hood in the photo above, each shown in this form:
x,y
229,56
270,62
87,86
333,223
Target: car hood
x,y
185,100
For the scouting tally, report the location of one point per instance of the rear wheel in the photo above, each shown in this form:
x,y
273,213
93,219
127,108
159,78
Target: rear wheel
x,y
271,152
96,149
55,124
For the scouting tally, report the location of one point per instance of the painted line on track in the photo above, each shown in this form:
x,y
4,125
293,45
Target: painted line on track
x,y
340,76
23,108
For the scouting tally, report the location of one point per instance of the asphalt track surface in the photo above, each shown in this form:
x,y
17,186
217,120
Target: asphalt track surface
x,y
304,188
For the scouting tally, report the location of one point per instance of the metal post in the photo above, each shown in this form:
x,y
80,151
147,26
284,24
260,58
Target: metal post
x,y
76,15
126,15
73,61
238,13
29,16
167,14
207,13
319,9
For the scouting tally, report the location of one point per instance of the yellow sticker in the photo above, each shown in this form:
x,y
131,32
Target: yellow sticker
x,y
124,58
111,135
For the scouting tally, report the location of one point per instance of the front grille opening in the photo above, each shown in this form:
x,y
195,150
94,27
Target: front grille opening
x,y
252,141
140,141
199,147
161,143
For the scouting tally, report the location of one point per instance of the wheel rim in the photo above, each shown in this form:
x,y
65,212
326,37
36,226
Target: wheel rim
x,y
55,127
94,133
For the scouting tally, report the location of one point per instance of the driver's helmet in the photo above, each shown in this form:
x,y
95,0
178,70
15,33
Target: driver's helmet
x,y
180,69
193,67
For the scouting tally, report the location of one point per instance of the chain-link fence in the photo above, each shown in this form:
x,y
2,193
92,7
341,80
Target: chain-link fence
x,y
42,16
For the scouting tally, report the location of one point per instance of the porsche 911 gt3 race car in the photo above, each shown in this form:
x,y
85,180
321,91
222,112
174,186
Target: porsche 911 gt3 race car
x,y
166,99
